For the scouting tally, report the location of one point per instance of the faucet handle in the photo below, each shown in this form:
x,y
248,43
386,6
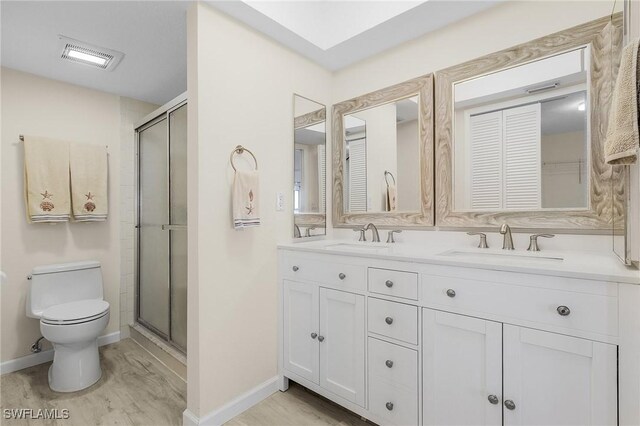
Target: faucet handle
x,y
390,238
533,241
363,237
483,239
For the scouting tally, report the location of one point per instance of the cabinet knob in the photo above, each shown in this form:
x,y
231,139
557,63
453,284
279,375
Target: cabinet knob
x,y
342,276
451,292
320,338
389,406
295,269
493,399
314,335
388,363
510,405
563,310
389,283
388,320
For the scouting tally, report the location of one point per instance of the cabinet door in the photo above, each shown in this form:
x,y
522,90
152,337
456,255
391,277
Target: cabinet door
x,y
462,363
342,344
301,353
557,379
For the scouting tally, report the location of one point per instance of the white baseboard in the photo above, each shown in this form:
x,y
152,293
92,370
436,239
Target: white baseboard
x,y
233,408
46,356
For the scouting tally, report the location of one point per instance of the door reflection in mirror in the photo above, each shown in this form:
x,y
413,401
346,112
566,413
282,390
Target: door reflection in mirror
x,y
521,138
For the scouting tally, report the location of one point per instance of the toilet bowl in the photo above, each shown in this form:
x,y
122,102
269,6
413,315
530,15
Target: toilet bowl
x,y
68,301
73,330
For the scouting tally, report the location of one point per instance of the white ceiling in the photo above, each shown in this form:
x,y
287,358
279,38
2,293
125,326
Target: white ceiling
x,y
152,35
338,33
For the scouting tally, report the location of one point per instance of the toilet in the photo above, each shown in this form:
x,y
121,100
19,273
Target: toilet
x,y
68,300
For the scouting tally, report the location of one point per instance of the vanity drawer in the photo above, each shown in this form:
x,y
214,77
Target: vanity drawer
x,y
592,313
391,403
393,363
394,283
392,319
331,273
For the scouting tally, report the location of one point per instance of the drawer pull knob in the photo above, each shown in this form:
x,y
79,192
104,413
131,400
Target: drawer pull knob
x,y
563,310
389,406
314,335
320,338
388,320
493,399
451,292
388,363
389,283
342,276
295,269
510,405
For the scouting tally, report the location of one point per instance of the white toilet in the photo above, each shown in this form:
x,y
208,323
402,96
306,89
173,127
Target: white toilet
x,y
68,301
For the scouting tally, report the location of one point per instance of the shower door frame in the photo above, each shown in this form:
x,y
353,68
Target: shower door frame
x,y
155,117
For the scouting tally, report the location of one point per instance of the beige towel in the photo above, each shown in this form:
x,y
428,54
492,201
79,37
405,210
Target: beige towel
x,y
392,198
46,180
88,165
622,142
246,206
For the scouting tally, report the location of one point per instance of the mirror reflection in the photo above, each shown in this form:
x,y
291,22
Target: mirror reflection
x,y
521,139
309,175
382,161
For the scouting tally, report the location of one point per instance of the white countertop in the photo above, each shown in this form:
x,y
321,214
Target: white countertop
x,y
572,264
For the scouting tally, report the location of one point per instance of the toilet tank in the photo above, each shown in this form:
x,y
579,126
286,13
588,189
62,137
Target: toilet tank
x,y
62,283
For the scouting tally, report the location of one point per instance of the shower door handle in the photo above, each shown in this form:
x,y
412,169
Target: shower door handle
x,y
169,227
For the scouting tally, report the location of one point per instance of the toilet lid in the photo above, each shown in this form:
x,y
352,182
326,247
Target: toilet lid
x,y
74,312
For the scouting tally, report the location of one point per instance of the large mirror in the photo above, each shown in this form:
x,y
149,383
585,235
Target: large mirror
x,y
309,170
520,136
383,155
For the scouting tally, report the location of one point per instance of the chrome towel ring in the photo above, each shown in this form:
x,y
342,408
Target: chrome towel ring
x,y
239,150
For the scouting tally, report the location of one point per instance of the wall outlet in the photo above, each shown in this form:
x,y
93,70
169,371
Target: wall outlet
x,y
279,201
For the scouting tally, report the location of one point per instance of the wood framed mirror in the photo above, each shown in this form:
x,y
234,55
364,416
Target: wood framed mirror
x,y
383,157
520,134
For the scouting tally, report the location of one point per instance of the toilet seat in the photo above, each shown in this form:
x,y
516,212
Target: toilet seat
x,y
75,312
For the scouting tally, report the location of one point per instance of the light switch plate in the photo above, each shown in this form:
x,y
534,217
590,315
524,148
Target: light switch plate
x,y
279,202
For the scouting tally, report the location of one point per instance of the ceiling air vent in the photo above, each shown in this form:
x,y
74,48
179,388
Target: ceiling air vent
x,y
87,54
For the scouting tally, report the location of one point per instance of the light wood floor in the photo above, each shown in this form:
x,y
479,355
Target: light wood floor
x,y
135,389
297,407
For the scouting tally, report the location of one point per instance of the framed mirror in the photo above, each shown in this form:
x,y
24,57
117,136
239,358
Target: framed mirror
x,y
520,134
309,170
383,156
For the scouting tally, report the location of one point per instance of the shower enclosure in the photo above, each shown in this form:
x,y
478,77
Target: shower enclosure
x,y
161,304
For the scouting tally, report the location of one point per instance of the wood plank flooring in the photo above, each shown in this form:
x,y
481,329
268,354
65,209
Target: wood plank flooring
x,y
135,389
297,407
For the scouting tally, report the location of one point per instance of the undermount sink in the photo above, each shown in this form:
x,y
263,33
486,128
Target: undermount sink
x,y
361,247
508,256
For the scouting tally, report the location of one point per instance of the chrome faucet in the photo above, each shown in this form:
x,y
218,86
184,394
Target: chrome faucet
x,y
308,233
507,243
374,232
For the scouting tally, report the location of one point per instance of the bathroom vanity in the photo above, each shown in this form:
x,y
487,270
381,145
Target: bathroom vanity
x,y
408,335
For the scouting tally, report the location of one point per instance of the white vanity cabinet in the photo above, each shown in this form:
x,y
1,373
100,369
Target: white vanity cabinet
x,y
404,342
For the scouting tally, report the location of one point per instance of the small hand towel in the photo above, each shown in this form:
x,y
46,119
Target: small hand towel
x,y
621,146
246,211
46,180
392,198
89,174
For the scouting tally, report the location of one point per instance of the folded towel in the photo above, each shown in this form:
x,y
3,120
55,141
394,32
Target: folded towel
x,y
246,212
621,146
88,166
392,198
46,180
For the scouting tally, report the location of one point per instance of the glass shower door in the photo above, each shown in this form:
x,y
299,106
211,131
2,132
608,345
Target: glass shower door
x,y
153,239
162,223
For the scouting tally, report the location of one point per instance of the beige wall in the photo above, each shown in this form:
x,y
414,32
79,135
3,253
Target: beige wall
x,y
408,167
240,86
37,106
